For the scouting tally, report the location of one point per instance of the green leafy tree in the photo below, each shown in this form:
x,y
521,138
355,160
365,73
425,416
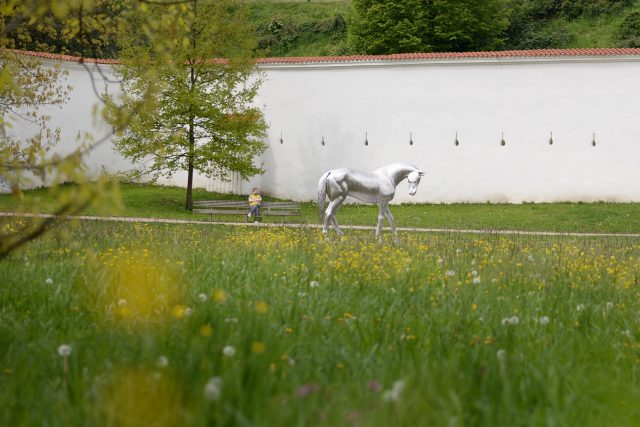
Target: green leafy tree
x,y
189,75
628,33
397,26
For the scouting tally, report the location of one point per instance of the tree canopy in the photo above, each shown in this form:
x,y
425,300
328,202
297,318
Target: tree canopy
x,y
189,82
397,26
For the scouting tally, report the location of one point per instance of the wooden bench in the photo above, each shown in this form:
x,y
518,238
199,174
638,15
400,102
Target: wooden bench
x,y
238,207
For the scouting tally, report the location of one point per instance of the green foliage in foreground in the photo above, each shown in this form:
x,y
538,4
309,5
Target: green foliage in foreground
x,y
168,202
187,325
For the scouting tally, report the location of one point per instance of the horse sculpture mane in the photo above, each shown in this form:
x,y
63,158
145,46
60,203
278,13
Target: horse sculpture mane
x,y
378,187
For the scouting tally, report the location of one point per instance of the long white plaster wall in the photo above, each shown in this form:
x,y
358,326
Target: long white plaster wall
x,y
479,99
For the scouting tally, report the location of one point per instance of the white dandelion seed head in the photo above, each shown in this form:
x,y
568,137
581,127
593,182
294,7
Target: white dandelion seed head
x,y
393,394
302,294
439,261
229,351
501,355
213,388
122,302
202,297
231,320
49,281
544,320
580,307
610,305
65,350
476,280
188,311
458,251
450,273
314,284
163,362
474,273
513,320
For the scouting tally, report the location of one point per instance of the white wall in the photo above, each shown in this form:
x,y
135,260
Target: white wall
x,y
479,99
526,98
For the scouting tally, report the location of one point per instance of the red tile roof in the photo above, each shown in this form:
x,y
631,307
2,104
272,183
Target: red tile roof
x,y
537,53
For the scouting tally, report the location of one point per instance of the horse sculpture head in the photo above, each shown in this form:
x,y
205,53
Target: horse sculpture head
x,y
414,180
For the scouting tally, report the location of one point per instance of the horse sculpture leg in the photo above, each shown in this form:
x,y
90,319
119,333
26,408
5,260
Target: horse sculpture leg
x,y
330,215
392,222
381,213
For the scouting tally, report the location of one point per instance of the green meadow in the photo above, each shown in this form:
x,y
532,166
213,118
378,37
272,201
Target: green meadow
x,y
140,200
120,324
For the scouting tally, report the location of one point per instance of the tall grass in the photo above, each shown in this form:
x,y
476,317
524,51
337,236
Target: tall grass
x,y
187,325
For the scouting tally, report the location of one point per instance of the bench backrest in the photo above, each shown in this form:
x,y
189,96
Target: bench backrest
x,y
239,206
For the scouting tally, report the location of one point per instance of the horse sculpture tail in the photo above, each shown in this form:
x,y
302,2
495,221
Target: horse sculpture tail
x,y
322,194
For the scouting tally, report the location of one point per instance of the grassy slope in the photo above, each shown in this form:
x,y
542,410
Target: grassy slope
x,y
168,202
301,12
585,32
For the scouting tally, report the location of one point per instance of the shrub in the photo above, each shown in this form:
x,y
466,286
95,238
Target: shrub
x,y
576,8
628,34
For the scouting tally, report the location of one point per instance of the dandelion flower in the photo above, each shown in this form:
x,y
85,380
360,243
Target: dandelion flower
x,y
229,351
65,350
206,330
258,347
213,388
219,295
262,307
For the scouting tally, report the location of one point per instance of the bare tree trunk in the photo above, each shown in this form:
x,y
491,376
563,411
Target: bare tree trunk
x,y
189,205
192,128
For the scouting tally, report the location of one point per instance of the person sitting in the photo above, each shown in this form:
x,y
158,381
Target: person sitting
x,y
254,203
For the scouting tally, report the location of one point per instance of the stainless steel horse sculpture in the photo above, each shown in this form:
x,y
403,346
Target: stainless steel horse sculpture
x,y
378,187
